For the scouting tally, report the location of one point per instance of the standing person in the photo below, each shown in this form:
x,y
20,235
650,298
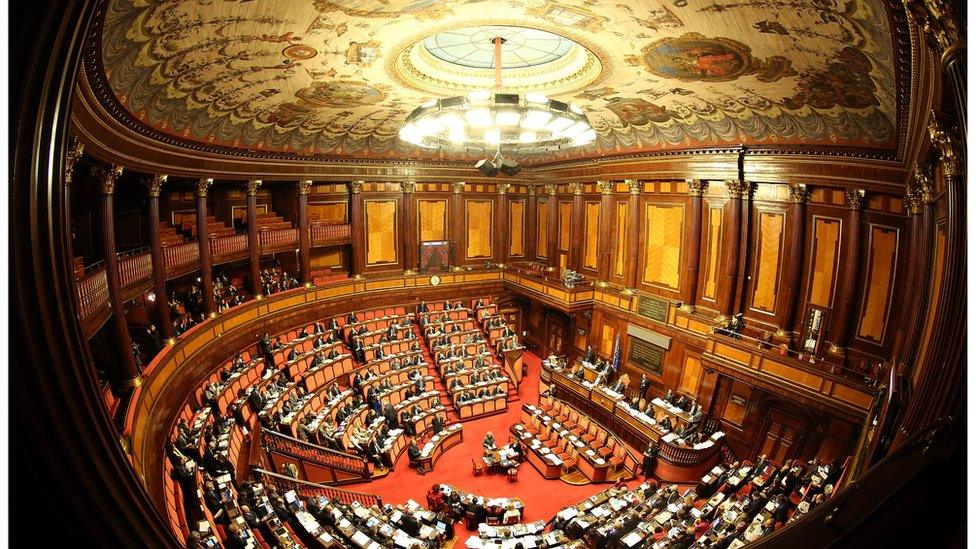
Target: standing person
x,y
650,457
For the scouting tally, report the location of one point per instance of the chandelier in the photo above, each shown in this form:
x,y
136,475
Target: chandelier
x,y
485,121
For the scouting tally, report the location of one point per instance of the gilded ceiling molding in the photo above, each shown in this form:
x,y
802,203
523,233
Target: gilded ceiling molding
x,y
551,189
606,187
696,187
502,188
947,144
408,187
106,176
855,198
799,194
252,187
457,187
356,187
739,189
74,155
634,186
155,183
203,185
304,186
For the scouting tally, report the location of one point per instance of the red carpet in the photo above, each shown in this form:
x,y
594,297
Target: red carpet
x,y
543,498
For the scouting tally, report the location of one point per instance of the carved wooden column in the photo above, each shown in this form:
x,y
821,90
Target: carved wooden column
x,y
531,231
839,335
501,237
357,228
455,226
942,28
633,232
409,228
727,303
920,203
203,240
786,313
689,293
128,374
304,237
576,225
604,247
552,233
253,241
158,261
71,159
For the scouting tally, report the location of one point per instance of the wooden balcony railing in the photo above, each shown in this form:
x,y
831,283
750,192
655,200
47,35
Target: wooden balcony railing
x,y
315,463
306,490
175,257
93,291
328,233
275,239
135,267
228,245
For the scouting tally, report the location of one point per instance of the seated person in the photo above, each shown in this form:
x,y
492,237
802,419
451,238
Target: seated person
x,y
488,443
413,454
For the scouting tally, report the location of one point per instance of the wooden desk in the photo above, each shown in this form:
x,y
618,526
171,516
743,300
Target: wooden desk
x,y
449,436
481,407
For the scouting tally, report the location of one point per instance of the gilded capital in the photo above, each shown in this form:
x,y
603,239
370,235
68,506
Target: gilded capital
x,y
855,198
634,186
72,158
356,187
408,187
696,187
923,182
156,184
203,185
913,201
799,194
304,186
106,176
551,189
502,188
531,189
577,188
457,187
939,22
738,189
252,187
947,145
606,187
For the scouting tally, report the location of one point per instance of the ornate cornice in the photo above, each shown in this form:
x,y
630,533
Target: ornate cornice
x,y
203,185
252,187
606,187
855,198
74,155
502,188
738,189
106,176
155,184
799,194
634,186
947,145
457,187
940,23
356,187
305,186
408,187
551,189
696,187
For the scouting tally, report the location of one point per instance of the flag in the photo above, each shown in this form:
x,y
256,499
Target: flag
x,y
616,354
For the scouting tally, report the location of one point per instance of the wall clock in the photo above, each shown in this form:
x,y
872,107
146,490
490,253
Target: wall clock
x,y
435,280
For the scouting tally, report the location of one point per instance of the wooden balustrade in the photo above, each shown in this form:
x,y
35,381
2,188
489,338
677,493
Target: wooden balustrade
x,y
315,463
279,239
307,490
135,268
93,292
228,245
328,233
175,257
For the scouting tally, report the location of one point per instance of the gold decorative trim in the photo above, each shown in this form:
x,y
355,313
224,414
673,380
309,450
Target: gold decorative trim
x,y
408,187
738,189
156,184
457,187
502,188
634,186
203,185
252,187
131,383
577,188
799,194
531,189
72,158
551,189
947,144
696,187
304,186
356,187
855,198
106,176
606,187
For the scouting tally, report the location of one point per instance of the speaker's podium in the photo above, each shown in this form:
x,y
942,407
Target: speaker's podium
x,y
514,368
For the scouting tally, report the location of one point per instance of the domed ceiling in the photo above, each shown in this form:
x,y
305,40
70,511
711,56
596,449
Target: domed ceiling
x,y
338,77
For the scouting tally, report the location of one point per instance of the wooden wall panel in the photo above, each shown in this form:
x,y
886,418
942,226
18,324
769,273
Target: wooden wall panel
x,y
478,222
432,220
663,224
542,228
382,237
607,335
564,231
516,229
331,213
713,248
737,404
770,239
620,240
691,376
880,277
826,250
591,236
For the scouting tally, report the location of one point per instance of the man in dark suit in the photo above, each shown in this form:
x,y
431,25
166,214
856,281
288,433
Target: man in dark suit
x,y
437,424
413,453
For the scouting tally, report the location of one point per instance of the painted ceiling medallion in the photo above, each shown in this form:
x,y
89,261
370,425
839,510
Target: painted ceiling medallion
x,y
300,51
471,46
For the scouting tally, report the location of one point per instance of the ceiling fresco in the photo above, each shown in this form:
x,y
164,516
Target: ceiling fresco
x,y
319,77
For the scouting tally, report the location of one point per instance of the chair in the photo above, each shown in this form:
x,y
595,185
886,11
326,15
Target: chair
x,y
513,474
477,467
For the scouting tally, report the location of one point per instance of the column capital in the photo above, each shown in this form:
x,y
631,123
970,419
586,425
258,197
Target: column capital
x,y
531,188
696,187
457,187
940,23
855,198
551,189
502,188
72,158
606,187
576,187
356,187
155,183
203,186
106,176
252,186
799,194
923,182
408,187
738,189
913,201
947,143
304,186
634,186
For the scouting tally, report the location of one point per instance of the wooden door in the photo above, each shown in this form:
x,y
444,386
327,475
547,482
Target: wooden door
x,y
557,335
780,437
